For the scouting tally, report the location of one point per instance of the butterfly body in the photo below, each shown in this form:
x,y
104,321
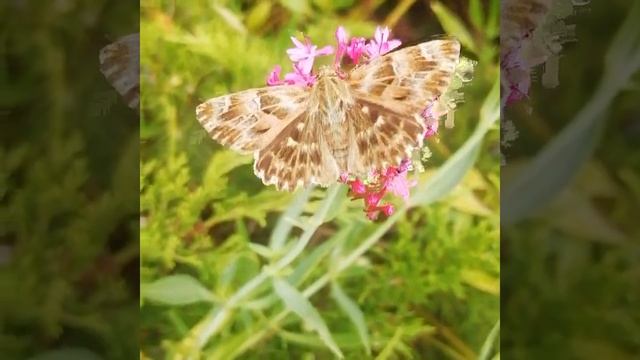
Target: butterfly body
x,y
355,124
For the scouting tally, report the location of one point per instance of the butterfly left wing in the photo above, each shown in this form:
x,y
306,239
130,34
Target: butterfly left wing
x,y
391,93
120,64
273,123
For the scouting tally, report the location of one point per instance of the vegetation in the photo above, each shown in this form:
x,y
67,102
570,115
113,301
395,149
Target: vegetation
x,y
233,269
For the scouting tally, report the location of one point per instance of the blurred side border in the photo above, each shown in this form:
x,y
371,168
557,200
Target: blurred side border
x,y
69,184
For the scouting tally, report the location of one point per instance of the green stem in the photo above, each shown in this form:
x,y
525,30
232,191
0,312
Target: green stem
x,y
217,317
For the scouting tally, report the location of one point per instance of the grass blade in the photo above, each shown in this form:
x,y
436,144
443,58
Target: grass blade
x,y
176,290
301,306
353,312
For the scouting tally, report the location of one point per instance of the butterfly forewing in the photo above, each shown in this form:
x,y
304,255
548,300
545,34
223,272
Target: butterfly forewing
x,y
250,120
416,75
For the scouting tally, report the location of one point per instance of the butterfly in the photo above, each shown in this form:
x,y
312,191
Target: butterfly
x,y
356,123
120,64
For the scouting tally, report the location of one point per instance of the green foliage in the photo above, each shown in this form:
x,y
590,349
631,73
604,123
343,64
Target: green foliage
x,y
306,275
68,186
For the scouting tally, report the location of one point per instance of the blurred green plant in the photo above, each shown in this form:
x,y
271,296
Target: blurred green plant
x,y
231,268
68,186
570,231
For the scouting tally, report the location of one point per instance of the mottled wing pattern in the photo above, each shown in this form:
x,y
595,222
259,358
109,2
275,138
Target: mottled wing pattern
x,y
391,92
249,120
298,156
120,64
416,75
382,135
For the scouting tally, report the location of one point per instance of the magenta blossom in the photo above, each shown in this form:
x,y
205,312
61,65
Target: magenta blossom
x,y
305,53
274,76
381,44
353,48
299,77
393,180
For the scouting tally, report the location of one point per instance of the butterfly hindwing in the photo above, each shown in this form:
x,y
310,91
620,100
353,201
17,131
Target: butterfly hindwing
x,y
297,157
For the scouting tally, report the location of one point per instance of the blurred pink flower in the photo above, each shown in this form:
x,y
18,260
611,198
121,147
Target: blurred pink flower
x,y
299,77
305,53
274,76
381,44
356,49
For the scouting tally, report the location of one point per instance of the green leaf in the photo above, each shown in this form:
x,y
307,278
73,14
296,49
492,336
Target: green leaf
x,y
288,219
476,13
230,18
259,15
67,354
489,342
300,305
297,6
453,25
353,312
176,290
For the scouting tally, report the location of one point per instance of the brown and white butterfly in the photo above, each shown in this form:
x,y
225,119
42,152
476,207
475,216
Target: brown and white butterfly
x,y
367,120
120,64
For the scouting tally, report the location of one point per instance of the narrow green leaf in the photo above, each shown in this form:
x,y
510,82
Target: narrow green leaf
x,y
288,219
259,15
492,27
489,342
67,354
300,305
176,290
297,6
353,312
390,348
476,13
230,18
453,25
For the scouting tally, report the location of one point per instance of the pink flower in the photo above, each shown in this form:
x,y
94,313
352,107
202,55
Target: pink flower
x,y
355,49
305,53
357,187
381,44
393,180
399,185
299,77
274,76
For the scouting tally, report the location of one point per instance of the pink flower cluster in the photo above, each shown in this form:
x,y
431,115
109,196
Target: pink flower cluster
x,y
304,53
357,50
393,180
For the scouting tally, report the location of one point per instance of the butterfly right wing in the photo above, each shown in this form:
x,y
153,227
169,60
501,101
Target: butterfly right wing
x,y
391,92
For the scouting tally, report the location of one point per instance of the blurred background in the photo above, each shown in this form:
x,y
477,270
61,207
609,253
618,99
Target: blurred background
x,y
570,197
233,269
68,184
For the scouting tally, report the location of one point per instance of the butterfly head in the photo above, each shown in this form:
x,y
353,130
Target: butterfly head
x,y
327,72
